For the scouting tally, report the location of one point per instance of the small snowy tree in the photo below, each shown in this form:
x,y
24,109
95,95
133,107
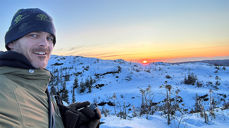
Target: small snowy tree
x,y
168,103
114,97
82,87
75,85
64,93
212,104
191,80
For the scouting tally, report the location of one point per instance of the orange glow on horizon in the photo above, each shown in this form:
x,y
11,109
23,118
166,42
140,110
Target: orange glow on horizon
x,y
150,54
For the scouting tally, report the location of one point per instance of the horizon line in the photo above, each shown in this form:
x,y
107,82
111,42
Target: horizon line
x,y
166,60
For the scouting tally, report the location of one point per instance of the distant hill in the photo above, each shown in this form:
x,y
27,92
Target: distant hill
x,y
213,62
217,62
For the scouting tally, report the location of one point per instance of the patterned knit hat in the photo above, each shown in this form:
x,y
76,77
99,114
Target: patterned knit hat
x,y
29,20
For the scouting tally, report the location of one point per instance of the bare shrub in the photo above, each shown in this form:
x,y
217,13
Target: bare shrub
x,y
146,105
191,80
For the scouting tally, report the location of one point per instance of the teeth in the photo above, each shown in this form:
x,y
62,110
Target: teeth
x,y
40,53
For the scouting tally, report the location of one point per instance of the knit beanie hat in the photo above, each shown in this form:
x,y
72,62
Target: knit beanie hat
x,y
29,20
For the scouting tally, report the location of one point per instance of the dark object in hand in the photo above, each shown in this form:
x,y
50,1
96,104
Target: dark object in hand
x,y
91,112
79,115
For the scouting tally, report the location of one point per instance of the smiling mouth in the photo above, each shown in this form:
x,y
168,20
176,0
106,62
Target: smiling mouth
x,y
40,53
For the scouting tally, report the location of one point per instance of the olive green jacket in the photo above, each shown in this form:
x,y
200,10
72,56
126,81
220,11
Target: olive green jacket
x,y
23,101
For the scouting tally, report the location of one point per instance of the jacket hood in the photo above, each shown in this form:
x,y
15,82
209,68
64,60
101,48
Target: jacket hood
x,y
14,59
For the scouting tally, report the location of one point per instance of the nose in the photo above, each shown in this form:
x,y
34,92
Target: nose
x,y
43,41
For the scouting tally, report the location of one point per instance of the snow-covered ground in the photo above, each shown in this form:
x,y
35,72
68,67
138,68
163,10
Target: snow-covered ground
x,y
156,121
120,82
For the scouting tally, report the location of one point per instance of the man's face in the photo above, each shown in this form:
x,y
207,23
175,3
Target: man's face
x,y
36,47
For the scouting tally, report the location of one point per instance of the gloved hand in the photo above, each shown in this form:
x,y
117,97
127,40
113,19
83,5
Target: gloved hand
x,y
80,115
89,110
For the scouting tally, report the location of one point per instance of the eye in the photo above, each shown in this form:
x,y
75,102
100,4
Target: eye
x,y
33,35
50,38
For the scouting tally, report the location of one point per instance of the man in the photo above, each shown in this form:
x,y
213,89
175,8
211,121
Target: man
x,y
24,98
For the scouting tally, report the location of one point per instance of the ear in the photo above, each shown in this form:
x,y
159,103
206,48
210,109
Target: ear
x,y
11,45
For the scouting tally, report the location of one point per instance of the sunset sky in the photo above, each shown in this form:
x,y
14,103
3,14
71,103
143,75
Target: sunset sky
x,y
133,30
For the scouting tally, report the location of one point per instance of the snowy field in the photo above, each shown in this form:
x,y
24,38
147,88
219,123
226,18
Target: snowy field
x,y
121,84
189,121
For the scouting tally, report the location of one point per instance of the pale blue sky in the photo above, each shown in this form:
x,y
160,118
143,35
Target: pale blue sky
x,y
132,29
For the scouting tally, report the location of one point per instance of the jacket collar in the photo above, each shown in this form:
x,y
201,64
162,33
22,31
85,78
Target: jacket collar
x,y
14,64
31,79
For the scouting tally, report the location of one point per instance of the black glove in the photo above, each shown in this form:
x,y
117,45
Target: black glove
x,y
79,115
71,119
81,109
